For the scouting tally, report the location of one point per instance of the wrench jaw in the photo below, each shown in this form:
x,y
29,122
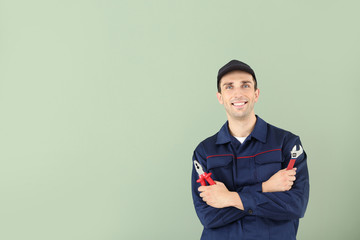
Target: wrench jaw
x,y
296,153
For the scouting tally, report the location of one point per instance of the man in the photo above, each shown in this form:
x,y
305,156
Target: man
x,y
254,196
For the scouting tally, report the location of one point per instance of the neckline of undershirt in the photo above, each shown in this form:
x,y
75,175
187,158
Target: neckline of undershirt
x,y
241,139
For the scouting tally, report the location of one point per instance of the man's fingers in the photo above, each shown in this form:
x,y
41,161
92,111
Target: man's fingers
x,y
202,188
203,195
291,172
220,183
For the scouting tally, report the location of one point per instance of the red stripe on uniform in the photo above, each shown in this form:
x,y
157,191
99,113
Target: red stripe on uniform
x,y
220,155
223,155
259,153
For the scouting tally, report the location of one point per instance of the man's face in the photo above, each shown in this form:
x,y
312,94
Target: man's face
x,y
238,94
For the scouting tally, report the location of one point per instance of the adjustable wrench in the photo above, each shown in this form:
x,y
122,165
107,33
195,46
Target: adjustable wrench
x,y
294,155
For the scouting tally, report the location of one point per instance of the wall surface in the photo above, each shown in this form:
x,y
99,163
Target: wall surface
x,y
103,102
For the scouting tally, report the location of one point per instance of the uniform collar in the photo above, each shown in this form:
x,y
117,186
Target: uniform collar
x,y
259,132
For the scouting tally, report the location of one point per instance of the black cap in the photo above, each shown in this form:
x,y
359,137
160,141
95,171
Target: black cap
x,y
232,66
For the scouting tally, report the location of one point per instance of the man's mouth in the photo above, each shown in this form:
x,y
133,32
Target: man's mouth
x,y
239,104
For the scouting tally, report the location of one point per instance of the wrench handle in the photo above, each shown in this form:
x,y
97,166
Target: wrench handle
x,y
291,164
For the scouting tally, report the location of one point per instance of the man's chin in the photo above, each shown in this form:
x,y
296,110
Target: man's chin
x,y
240,116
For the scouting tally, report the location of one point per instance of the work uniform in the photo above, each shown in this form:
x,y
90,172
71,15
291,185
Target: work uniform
x,y
243,168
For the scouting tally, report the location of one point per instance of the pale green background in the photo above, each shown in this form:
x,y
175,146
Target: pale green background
x,y
103,102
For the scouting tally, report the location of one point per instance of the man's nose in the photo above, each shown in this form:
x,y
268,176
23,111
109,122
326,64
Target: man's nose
x,y
238,92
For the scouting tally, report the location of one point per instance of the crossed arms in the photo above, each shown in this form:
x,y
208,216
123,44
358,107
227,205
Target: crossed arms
x,y
218,196
283,196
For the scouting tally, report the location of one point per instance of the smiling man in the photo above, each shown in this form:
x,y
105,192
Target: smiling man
x,y
254,196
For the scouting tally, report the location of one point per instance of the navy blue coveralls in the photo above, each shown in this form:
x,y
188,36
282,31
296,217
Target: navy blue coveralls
x,y
243,168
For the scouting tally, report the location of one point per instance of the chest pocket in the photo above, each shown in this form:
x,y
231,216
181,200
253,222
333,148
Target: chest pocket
x,y
267,164
222,169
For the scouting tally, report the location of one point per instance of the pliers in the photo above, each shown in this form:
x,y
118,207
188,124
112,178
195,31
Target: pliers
x,y
203,175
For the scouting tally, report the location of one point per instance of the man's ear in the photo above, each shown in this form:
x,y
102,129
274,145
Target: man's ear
x,y
257,93
219,97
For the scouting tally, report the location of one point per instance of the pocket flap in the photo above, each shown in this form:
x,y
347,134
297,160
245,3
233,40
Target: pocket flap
x,y
219,161
269,157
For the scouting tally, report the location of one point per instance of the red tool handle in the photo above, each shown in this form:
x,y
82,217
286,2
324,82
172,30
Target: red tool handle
x,y
207,177
201,180
291,164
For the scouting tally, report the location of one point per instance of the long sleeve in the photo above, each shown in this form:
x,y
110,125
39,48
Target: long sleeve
x,y
211,217
281,205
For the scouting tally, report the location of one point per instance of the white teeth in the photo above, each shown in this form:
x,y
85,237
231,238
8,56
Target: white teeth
x,y
238,104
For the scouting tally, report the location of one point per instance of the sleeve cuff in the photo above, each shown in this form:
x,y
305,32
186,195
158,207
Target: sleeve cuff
x,y
249,203
248,197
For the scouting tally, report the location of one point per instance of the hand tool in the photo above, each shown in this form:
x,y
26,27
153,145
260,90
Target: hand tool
x,y
202,175
294,155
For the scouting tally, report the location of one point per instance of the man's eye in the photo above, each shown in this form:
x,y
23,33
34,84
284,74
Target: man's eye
x,y
228,87
246,86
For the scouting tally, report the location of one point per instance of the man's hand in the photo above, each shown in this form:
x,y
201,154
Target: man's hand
x,y
280,181
218,196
